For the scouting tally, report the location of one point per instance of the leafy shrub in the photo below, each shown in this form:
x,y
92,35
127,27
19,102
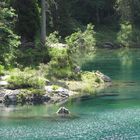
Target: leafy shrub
x,y
125,34
82,42
53,38
60,65
27,78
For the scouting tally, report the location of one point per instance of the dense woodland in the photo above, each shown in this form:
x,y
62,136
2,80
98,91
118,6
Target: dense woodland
x,y
67,21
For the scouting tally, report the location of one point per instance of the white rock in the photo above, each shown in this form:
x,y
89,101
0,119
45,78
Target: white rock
x,y
3,83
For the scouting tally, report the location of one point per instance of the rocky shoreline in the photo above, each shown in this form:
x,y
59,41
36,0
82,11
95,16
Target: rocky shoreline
x,y
52,93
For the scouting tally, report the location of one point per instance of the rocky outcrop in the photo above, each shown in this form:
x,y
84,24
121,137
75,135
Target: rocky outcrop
x,y
105,78
52,94
63,111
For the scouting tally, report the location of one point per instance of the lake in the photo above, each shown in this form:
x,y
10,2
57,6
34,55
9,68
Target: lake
x,y
100,118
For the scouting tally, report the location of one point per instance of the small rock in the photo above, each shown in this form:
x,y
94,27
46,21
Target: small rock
x,y
48,82
46,98
105,78
3,83
3,78
108,45
62,92
77,69
49,89
63,111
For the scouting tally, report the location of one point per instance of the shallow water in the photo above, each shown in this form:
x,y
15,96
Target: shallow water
x,y
104,118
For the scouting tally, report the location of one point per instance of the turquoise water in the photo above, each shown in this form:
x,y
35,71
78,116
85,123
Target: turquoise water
x,y
104,118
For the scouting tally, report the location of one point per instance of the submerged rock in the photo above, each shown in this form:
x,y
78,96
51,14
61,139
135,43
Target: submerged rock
x,y
63,111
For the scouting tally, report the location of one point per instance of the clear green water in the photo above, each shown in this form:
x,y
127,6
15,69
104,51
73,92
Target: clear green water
x,y
104,118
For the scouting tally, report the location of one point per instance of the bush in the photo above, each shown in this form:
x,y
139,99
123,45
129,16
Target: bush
x,y
125,34
27,78
53,38
82,42
60,65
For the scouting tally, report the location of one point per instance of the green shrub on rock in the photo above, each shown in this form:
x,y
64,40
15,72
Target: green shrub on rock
x,y
26,79
60,65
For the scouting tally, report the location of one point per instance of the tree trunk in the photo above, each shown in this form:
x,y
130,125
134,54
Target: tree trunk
x,y
97,15
43,22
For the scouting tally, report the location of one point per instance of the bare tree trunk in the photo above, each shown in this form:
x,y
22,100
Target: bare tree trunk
x,y
43,22
97,15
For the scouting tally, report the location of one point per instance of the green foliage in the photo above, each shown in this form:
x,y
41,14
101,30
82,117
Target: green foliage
x,y
136,37
1,70
9,41
98,80
32,56
53,38
55,87
56,53
82,42
125,34
36,91
60,65
27,78
124,9
62,62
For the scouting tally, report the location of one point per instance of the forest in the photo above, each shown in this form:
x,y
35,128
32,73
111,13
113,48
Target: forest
x,y
115,23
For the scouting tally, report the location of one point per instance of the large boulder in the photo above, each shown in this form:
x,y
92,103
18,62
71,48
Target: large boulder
x,y
63,111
